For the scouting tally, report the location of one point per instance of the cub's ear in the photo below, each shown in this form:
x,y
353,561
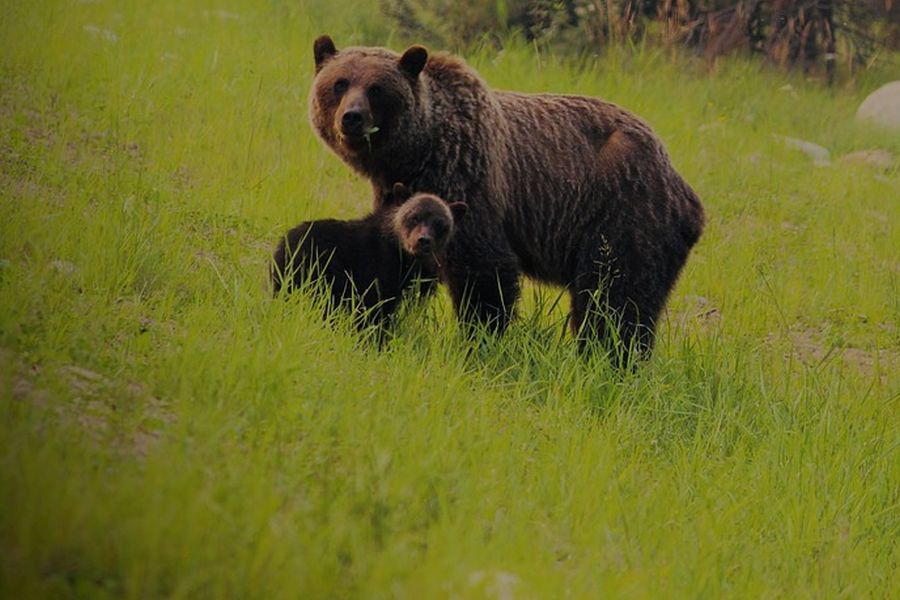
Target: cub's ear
x,y
323,49
401,193
458,210
413,60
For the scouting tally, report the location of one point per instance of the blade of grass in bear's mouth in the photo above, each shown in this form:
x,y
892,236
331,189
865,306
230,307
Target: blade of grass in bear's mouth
x,y
368,135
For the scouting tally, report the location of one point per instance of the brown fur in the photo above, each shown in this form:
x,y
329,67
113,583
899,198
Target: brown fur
x,y
570,190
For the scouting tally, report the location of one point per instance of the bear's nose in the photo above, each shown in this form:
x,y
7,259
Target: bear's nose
x,y
424,242
352,121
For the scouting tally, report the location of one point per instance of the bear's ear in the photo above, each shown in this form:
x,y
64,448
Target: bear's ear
x,y
413,60
401,193
458,210
323,49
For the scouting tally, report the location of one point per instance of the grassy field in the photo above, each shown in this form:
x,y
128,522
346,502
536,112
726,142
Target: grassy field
x,y
168,430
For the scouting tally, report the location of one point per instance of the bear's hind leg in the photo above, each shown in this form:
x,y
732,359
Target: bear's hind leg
x,y
611,310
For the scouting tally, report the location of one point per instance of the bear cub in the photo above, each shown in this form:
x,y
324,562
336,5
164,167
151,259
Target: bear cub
x,y
366,266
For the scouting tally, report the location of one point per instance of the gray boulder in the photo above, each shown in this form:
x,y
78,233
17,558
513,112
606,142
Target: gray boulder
x,y
882,107
821,156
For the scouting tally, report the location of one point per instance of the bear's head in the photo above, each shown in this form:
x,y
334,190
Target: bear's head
x,y
424,223
364,101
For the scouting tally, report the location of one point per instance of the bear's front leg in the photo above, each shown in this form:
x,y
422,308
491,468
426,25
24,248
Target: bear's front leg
x,y
482,274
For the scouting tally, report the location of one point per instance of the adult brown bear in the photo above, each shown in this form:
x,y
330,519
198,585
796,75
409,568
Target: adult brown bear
x,y
569,190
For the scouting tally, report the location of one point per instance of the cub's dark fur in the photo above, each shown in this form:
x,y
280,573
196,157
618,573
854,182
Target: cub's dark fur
x,y
570,190
367,265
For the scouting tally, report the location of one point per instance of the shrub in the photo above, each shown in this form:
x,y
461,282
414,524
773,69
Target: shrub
x,y
806,33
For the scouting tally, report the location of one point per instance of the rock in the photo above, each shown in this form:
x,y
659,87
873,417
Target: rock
x,y
62,266
821,156
882,107
698,301
105,34
498,585
788,89
880,159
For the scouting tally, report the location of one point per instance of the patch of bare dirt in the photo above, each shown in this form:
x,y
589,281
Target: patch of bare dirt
x,y
811,347
105,409
81,142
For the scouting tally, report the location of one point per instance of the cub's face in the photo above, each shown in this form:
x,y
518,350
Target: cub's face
x,y
361,96
424,224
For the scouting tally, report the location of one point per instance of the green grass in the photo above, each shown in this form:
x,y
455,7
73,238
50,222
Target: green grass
x,y
168,430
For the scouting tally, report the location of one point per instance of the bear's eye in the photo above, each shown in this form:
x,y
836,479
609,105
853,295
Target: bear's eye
x,y
375,92
340,86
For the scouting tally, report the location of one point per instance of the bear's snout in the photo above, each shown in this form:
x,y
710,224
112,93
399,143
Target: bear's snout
x,y
423,244
355,116
420,241
352,122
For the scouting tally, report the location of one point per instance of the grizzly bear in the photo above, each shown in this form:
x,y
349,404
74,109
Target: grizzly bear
x,y
367,265
570,190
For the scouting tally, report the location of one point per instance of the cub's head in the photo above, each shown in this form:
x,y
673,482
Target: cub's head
x,y
424,223
362,98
